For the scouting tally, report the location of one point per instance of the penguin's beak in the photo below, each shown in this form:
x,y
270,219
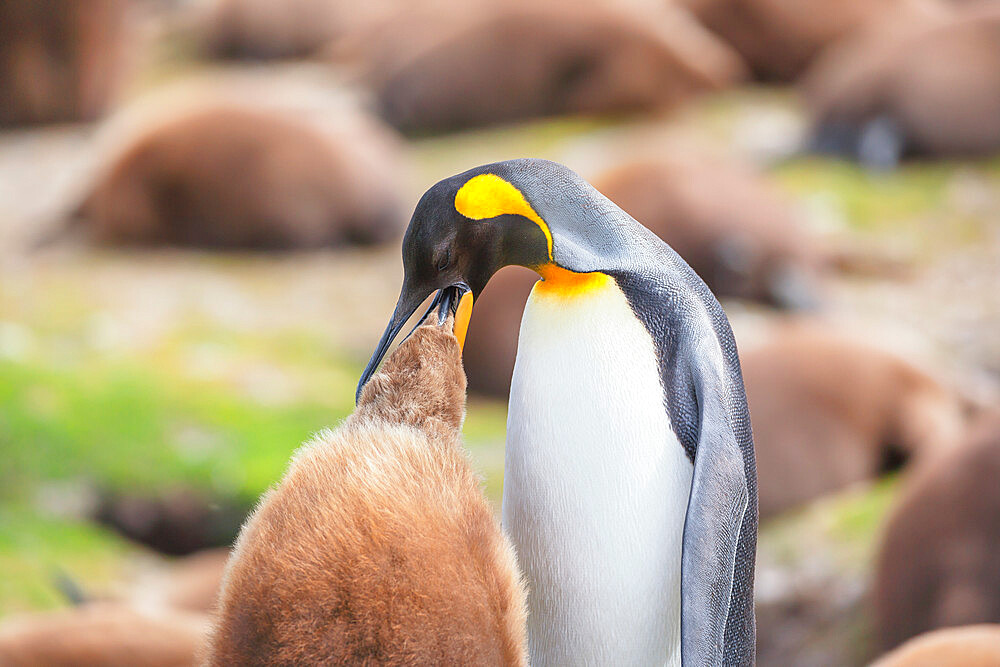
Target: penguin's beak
x,y
452,300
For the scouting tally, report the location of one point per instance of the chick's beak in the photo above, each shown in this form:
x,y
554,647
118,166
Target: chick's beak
x,y
452,300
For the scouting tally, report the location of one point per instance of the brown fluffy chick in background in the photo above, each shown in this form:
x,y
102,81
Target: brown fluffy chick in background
x,y
103,634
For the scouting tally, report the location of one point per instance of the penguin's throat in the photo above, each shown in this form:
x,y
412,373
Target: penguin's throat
x,y
559,282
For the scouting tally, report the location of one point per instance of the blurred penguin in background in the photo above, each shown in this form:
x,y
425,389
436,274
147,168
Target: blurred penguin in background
x,y
484,64
859,412
937,564
228,177
924,84
60,60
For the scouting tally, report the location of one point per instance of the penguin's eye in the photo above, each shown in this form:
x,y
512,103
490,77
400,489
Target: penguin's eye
x,y
444,260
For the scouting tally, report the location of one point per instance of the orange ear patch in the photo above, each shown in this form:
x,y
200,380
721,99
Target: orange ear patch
x,y
488,195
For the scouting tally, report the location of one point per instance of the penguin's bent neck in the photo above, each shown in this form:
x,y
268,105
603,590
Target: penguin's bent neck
x,y
596,484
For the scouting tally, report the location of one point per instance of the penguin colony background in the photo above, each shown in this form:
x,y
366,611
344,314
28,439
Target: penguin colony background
x,y
202,210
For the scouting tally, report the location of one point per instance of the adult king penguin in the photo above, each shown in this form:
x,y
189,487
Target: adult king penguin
x,y
630,489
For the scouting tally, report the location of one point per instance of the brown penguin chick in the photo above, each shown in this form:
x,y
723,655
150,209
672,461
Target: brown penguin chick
x,y
510,61
920,84
937,564
274,29
60,60
176,522
226,177
378,546
969,646
779,38
851,65
190,583
732,226
828,412
103,634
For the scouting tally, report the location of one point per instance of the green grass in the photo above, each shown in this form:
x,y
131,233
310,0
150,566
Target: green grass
x,y
892,202
124,426
161,417
34,548
156,420
860,515
846,524
870,199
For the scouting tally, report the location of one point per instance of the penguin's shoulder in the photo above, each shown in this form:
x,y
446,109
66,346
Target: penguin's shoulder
x,y
690,333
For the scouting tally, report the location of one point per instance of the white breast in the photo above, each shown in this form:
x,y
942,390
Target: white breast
x,y
596,484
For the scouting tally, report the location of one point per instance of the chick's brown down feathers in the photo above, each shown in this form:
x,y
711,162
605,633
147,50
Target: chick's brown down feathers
x,y
379,546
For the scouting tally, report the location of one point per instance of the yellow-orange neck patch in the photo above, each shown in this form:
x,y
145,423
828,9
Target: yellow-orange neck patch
x,y
488,195
557,281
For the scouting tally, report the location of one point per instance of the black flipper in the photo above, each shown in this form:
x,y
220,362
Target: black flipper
x,y
715,516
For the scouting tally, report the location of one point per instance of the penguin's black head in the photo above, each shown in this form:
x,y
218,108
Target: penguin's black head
x,y
466,228
463,230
